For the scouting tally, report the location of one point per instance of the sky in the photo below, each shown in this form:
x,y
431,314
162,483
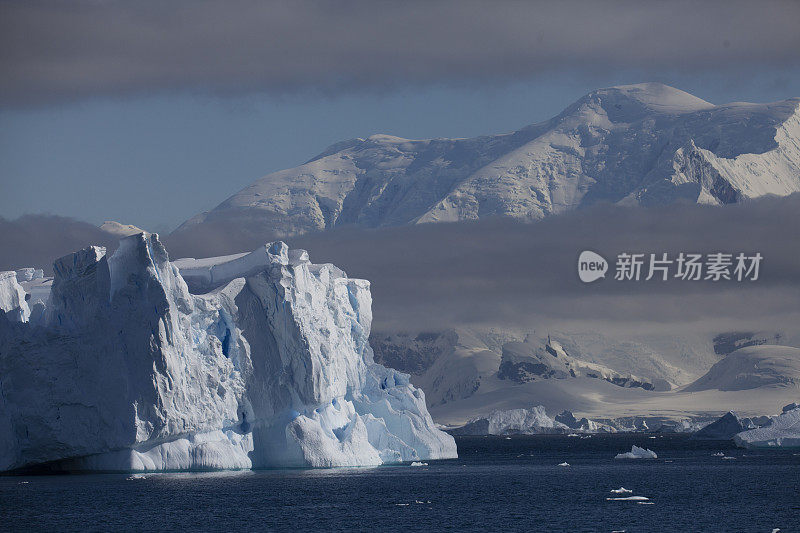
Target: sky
x,y
150,112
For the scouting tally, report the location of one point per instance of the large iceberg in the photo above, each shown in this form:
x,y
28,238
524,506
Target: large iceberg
x,y
264,362
783,432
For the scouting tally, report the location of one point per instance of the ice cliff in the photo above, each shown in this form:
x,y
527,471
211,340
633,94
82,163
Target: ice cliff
x,y
261,360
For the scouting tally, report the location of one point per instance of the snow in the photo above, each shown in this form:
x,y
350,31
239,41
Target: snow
x,y
751,367
646,144
266,363
783,432
637,453
119,230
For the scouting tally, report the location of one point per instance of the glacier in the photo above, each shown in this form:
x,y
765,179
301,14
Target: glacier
x,y
134,362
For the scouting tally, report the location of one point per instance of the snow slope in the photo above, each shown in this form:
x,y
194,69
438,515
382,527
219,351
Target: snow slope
x,y
266,364
646,144
751,367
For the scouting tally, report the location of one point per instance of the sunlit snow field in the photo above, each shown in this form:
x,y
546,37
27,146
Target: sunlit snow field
x,y
496,484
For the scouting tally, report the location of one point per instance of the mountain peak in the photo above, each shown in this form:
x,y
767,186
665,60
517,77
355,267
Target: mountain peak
x,y
650,97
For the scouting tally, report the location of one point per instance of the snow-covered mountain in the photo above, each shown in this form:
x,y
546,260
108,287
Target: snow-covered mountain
x,y
645,144
117,363
469,373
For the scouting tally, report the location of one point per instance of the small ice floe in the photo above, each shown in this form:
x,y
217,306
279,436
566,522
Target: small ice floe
x,y
24,482
622,490
637,453
651,437
402,504
728,457
418,463
573,435
135,476
563,464
718,454
629,499
508,438
644,503
586,437
776,530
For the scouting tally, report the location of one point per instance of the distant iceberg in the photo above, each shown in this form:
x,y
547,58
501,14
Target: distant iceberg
x,y
531,421
724,428
637,453
783,432
264,362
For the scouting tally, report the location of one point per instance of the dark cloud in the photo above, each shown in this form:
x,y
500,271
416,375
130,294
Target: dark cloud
x,y
53,51
506,273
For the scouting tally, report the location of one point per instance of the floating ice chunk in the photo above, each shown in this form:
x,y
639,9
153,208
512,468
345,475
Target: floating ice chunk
x,y
622,490
637,453
419,463
728,458
563,464
629,499
644,503
718,454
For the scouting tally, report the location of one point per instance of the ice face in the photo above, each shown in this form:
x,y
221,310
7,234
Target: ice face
x,y
265,362
12,298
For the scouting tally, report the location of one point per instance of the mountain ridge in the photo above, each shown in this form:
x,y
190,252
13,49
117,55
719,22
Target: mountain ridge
x,y
647,144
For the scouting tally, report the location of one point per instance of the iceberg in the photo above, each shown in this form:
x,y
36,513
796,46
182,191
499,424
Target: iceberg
x,y
783,432
637,453
262,361
513,422
724,428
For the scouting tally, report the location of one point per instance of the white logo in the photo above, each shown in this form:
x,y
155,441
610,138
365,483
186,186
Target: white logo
x,y
591,266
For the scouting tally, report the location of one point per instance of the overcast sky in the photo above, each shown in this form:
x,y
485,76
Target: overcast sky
x,y
149,112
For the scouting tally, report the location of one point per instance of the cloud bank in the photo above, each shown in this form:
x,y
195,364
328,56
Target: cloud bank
x,y
57,51
502,272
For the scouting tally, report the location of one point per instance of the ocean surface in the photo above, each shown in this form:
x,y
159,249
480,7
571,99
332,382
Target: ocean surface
x,y
496,484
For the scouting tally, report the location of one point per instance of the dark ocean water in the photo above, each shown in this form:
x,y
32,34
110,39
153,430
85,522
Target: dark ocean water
x,y
495,485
